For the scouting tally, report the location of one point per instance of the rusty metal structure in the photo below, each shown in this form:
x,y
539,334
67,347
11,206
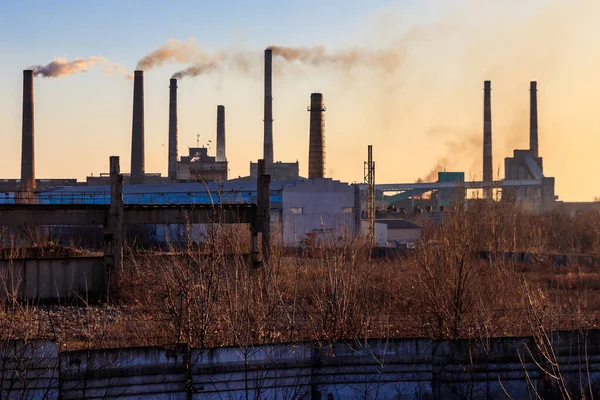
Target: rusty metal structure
x,y
268,117
316,152
137,130
27,146
488,174
370,186
172,167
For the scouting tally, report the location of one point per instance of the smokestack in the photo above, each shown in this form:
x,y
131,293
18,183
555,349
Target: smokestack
x,y
221,134
488,174
268,139
137,132
27,145
172,130
316,152
533,119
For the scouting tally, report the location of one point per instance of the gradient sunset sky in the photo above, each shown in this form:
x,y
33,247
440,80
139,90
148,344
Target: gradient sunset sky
x,y
425,112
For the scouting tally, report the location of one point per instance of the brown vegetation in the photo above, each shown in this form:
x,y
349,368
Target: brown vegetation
x,y
210,295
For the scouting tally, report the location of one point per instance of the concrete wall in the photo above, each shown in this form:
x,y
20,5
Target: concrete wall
x,y
322,202
52,278
371,369
404,235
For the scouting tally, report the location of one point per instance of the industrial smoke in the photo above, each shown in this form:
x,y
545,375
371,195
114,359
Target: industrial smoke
x,y
173,51
388,59
62,67
197,69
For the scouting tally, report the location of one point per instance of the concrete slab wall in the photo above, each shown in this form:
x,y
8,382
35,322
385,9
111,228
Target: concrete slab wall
x,y
52,278
372,369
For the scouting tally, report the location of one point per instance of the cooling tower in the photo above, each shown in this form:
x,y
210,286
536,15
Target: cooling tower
x,y
316,152
268,120
27,145
221,134
137,131
172,168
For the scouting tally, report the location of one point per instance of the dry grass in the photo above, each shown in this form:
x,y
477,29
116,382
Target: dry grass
x,y
210,295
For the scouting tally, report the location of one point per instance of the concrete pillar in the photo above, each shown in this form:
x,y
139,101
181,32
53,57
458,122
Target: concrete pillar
x,y
114,230
264,210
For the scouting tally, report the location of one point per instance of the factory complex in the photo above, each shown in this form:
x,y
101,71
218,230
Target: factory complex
x,y
301,208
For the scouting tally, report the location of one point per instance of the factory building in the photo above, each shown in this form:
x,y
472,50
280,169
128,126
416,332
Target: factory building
x,y
305,210
527,164
198,166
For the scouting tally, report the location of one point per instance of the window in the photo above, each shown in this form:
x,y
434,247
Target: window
x,y
347,210
296,210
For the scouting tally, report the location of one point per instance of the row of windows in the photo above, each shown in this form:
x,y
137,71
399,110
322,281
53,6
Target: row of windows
x,y
300,210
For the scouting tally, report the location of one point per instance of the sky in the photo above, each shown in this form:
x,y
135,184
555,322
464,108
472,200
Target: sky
x,y
421,109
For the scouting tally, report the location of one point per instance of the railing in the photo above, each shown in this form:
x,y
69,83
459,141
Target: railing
x,y
157,198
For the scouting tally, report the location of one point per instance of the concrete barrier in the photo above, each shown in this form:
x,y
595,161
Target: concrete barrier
x,y
372,369
52,278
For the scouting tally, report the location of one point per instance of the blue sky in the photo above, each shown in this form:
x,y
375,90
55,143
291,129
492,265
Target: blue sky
x,y
425,113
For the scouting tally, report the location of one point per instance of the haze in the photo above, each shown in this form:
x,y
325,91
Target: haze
x,y
422,112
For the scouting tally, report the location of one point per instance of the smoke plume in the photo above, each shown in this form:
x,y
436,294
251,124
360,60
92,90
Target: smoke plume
x,y
456,152
174,51
62,67
197,69
388,59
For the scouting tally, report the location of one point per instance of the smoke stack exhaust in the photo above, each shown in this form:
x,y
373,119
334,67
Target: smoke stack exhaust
x,y
533,119
221,156
173,130
488,174
27,145
316,153
268,120
137,131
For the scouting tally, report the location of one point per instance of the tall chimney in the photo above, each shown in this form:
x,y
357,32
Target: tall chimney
x,y
221,134
488,174
316,152
533,119
172,169
137,132
268,139
27,145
